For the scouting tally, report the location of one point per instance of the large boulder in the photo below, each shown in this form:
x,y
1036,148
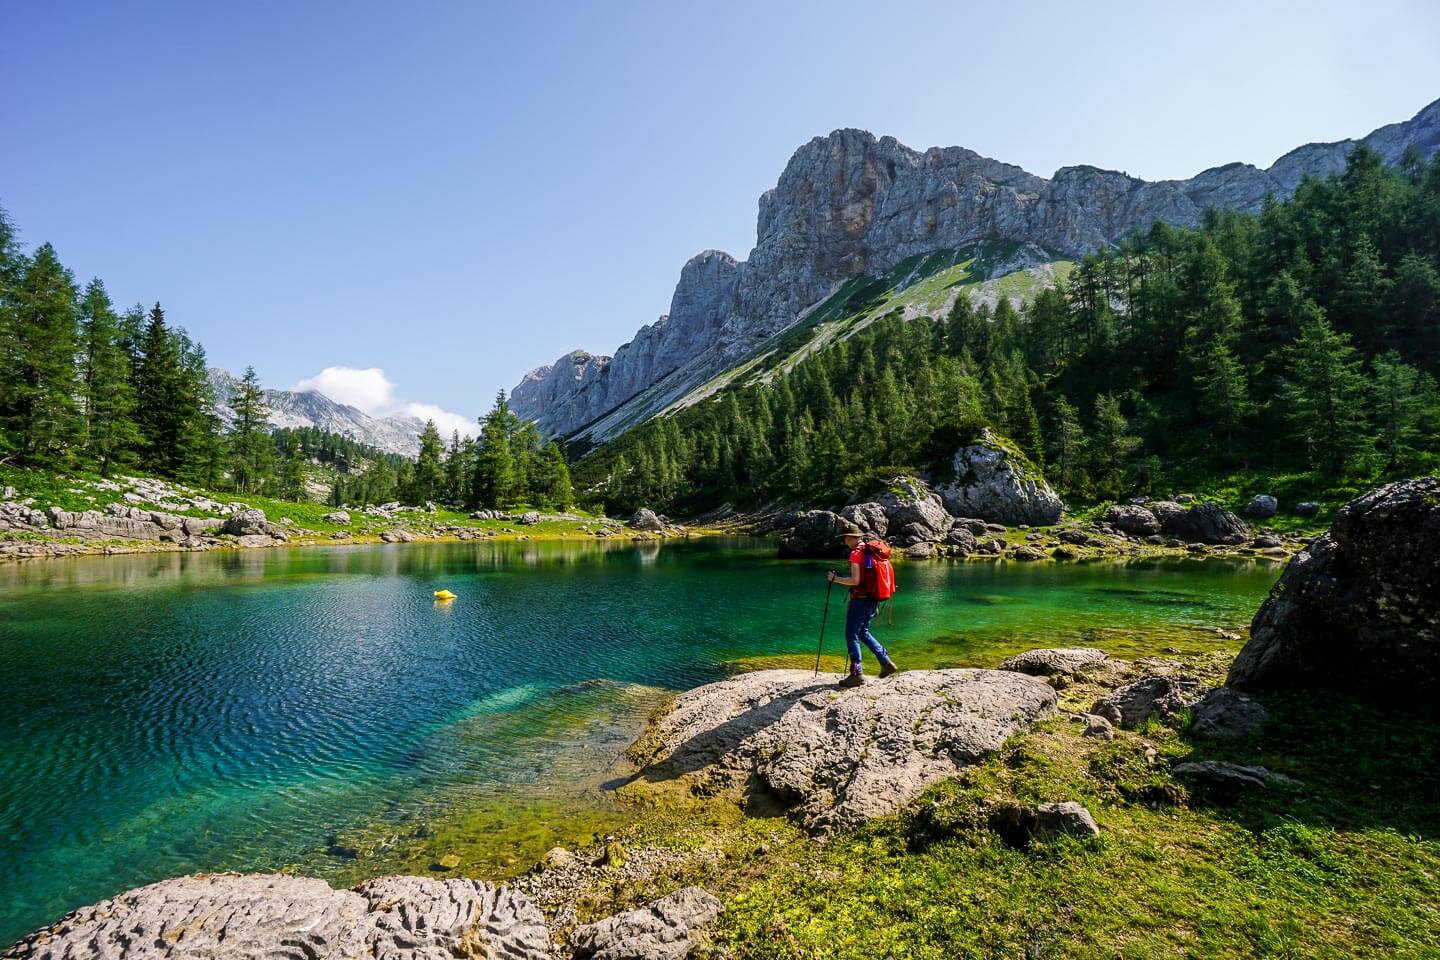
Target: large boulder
x,y
1201,523
1132,519
1359,608
1054,660
242,916
837,757
994,481
1262,506
816,533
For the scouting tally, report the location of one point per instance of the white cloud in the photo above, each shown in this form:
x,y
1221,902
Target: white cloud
x,y
371,391
445,421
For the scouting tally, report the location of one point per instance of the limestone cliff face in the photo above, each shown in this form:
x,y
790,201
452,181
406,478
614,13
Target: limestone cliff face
x,y
851,204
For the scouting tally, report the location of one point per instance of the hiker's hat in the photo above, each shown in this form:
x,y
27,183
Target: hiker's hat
x,y
849,529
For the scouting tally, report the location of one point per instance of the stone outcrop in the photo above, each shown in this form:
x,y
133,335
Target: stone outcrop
x,y
816,533
1359,608
1221,782
1154,696
646,520
1199,523
992,482
238,916
837,757
1053,660
1262,506
1226,712
850,204
1132,519
662,930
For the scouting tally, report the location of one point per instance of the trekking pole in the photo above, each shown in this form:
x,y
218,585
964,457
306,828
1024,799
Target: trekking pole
x,y
826,616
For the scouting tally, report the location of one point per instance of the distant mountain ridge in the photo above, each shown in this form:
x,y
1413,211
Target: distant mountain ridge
x,y
399,433
851,205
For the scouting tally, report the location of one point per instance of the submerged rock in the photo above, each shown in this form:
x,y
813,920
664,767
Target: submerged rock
x,y
1359,608
227,915
837,757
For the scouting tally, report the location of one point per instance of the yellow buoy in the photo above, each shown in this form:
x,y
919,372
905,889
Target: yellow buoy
x,y
444,595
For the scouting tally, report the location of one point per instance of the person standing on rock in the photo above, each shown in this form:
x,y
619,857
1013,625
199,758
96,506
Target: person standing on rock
x,y
871,581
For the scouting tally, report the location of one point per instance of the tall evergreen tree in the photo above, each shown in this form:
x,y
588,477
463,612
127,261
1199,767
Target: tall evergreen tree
x,y
39,415
107,395
429,481
250,447
1323,395
494,483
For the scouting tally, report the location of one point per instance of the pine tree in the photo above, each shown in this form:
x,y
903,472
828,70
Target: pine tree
x,y
1067,449
1224,391
1323,395
292,471
429,482
557,491
494,482
158,393
107,395
1399,393
250,447
39,416
1111,446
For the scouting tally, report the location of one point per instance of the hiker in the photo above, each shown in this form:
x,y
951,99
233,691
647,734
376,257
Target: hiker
x,y
871,581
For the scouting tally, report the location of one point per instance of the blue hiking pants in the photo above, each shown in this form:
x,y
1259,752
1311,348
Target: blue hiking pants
x,y
858,614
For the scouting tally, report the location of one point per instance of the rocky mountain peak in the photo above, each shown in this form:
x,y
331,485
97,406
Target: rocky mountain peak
x,y
850,204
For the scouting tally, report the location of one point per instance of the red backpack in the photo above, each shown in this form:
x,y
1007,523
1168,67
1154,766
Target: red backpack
x,y
877,576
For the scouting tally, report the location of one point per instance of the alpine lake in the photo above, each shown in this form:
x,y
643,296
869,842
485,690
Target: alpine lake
x,y
316,710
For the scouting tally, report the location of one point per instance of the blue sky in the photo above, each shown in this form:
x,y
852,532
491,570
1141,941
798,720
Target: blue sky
x,y
453,193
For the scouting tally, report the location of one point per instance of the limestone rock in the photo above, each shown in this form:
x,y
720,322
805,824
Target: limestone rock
x,y
337,516
529,518
1226,712
246,522
646,520
1307,508
913,512
1053,660
1066,818
225,916
1201,523
663,930
837,757
817,533
1220,782
1133,520
993,483
868,516
1359,608
1153,696
1262,506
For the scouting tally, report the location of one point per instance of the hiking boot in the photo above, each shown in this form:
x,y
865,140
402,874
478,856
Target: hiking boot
x,y
888,668
852,680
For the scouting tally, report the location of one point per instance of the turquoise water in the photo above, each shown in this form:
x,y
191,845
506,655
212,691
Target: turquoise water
x,y
256,710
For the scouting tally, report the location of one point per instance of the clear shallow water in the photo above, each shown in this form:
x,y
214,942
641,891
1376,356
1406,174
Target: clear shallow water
x,y
255,710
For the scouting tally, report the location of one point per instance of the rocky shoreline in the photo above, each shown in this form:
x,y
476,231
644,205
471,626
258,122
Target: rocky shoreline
x,y
1053,746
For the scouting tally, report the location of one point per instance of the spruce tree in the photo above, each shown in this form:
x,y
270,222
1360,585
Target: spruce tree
x,y
250,446
107,395
38,411
292,471
1323,395
1400,402
429,473
1224,391
494,483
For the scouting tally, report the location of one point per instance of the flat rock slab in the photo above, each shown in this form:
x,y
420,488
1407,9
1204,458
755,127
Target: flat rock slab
x,y
838,757
1053,660
662,930
252,916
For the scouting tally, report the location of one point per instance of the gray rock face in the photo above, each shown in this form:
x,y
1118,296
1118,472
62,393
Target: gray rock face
x,y
1359,608
224,916
247,523
837,757
850,204
337,516
1307,508
1163,697
662,930
868,516
1053,660
914,513
992,484
1262,506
